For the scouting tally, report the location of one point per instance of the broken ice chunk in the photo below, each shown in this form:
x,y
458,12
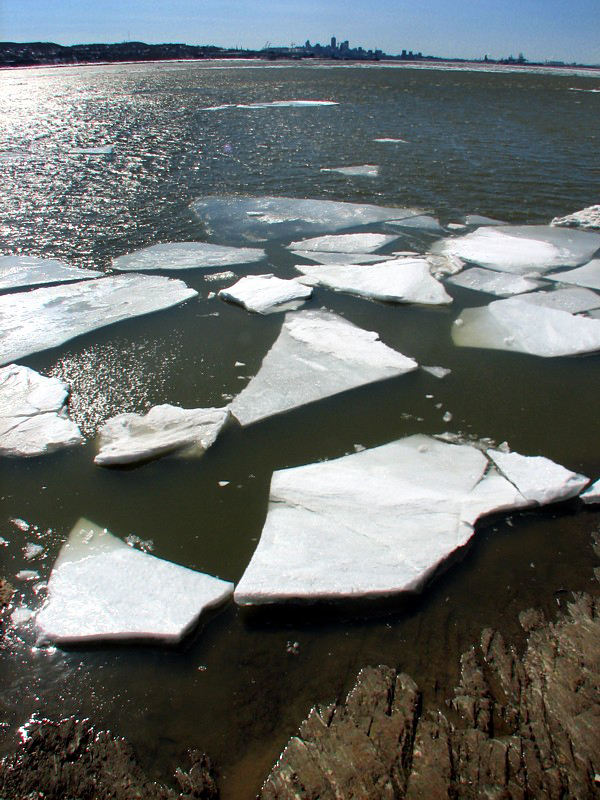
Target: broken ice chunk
x,y
317,354
573,300
516,325
266,294
100,588
538,478
391,140
592,494
588,219
344,243
437,372
21,616
164,430
424,222
477,219
364,170
21,271
406,280
32,550
186,255
587,275
48,317
33,413
106,150
340,258
502,284
27,575
274,104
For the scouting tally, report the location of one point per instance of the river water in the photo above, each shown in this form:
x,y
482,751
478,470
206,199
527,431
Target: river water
x,y
517,146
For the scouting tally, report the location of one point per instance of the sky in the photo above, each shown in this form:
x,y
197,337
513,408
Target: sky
x,y
564,30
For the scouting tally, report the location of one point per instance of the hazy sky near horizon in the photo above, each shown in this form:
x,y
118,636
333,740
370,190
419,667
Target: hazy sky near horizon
x,y
566,30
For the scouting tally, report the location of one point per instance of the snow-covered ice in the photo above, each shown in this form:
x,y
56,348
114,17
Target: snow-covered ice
x,y
100,588
164,430
587,275
592,494
340,258
363,170
344,243
265,294
573,299
528,250
502,284
403,280
588,219
317,354
514,324
33,413
48,317
538,478
20,271
186,255
375,522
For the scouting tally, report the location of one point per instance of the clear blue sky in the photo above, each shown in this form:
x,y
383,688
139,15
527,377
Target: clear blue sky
x,y
567,30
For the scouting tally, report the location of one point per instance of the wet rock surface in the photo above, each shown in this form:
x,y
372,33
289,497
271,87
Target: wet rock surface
x,y
69,759
517,726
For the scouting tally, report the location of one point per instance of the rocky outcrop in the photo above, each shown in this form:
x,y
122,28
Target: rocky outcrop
x,y
68,759
517,726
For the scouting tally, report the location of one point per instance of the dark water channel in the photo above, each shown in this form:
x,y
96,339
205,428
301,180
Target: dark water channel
x,y
517,147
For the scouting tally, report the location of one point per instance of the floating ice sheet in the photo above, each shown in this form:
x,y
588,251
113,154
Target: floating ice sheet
x,y
33,414
502,284
588,219
274,104
48,317
364,170
20,271
423,222
345,243
266,294
100,588
527,250
316,355
514,324
537,478
242,219
587,275
404,280
376,522
340,258
573,300
164,430
186,255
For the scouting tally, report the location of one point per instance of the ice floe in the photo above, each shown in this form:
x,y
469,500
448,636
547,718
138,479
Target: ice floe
x,y
274,104
517,325
587,275
186,255
364,170
527,250
592,495
48,317
477,219
391,140
380,521
403,280
33,413
502,284
573,300
588,219
537,478
423,222
100,588
106,150
21,271
164,430
345,243
340,258
317,354
265,294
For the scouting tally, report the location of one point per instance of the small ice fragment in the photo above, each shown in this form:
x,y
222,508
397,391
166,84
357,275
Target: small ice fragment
x,y
437,372
239,364
105,150
32,551
3,541
456,226
20,524
447,417
40,587
362,170
266,294
438,405
538,478
429,396
220,276
21,616
224,483
592,494
211,295
358,448
27,575
391,140
145,545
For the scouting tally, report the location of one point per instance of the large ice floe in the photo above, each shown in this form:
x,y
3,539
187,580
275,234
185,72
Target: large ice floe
x,y
502,284
243,219
402,280
186,255
21,271
525,327
381,521
587,275
33,413
266,294
164,430
571,299
340,258
345,243
48,317
588,219
528,250
101,588
317,354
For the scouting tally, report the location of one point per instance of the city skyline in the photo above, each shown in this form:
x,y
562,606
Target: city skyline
x,y
541,29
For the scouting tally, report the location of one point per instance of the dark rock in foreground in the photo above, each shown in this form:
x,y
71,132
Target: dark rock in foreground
x,y
517,727
68,759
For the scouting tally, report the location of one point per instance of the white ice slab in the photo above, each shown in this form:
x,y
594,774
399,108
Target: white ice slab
x,y
376,522
423,222
266,294
106,150
592,495
345,243
364,170
587,275
538,478
48,317
164,430
588,219
574,300
340,258
477,219
20,271
516,325
186,255
391,140
102,589
274,104
33,413
316,355
233,219
403,280
528,250
501,284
